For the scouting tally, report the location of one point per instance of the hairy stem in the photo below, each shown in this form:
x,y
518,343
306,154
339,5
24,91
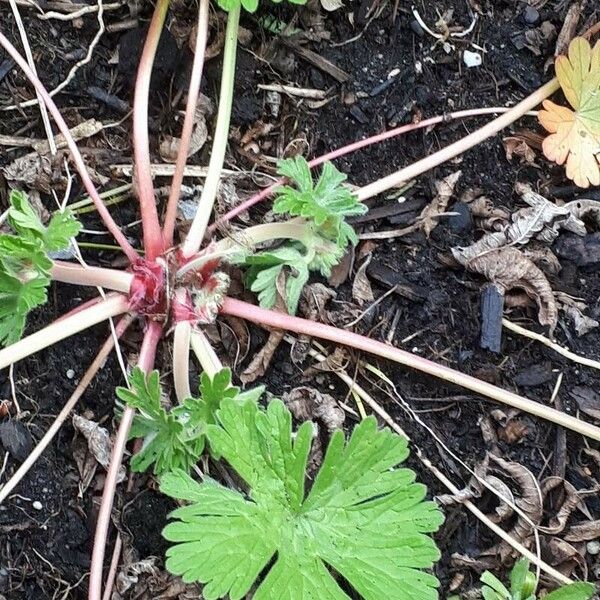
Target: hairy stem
x,y
145,362
462,145
188,123
64,328
141,146
246,239
82,386
77,158
327,332
217,157
374,139
111,279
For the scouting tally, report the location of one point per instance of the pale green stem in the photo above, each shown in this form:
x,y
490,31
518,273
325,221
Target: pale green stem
x,y
217,158
209,361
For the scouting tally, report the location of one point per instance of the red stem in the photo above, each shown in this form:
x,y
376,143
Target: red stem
x,y
188,123
128,249
145,362
374,139
286,322
153,243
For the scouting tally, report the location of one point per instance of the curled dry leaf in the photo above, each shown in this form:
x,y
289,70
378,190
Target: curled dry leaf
x,y
570,501
361,286
516,146
574,310
428,219
308,404
169,145
487,216
99,442
509,268
544,258
584,532
312,304
575,134
529,501
566,558
261,361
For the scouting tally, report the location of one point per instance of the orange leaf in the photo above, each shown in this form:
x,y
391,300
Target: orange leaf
x,y
575,134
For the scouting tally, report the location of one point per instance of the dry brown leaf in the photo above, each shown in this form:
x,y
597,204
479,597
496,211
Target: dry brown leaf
x,y
544,258
588,400
361,286
509,268
515,146
487,216
565,557
261,361
529,501
570,501
341,271
585,209
428,219
169,145
99,442
584,532
308,404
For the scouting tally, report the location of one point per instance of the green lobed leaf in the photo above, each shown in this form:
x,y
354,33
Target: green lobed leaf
x,y
364,517
573,591
175,439
24,263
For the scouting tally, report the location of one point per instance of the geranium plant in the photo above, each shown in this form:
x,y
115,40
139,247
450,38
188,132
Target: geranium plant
x,y
179,286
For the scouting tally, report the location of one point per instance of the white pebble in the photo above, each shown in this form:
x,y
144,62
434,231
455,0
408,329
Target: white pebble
x,y
472,59
593,547
37,505
70,374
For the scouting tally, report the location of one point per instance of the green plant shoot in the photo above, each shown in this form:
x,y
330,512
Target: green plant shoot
x,y
25,264
175,439
364,517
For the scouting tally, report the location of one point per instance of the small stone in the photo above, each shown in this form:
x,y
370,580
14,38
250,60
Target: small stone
x,y
531,15
70,373
593,547
37,505
416,27
460,222
358,114
472,59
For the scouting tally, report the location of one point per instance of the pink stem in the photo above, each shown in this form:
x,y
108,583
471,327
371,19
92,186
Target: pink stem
x,y
145,362
77,158
188,123
141,145
111,279
374,139
64,328
286,322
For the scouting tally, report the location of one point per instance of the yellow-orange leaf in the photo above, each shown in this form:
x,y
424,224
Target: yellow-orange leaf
x,y
575,134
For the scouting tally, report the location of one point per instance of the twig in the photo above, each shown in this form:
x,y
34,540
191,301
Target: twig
x,y
538,337
294,91
84,61
86,10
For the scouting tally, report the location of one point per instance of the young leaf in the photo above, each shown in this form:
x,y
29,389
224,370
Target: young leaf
x,y
249,5
175,439
575,134
265,268
165,443
364,517
573,591
24,263
326,203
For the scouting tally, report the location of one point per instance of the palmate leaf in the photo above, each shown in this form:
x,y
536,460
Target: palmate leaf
x,y
575,134
24,262
175,438
327,203
364,517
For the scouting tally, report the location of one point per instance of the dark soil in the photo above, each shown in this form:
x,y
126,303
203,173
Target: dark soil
x,y
44,552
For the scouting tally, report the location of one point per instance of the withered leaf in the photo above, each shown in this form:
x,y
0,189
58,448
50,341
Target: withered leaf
x,y
429,215
584,532
308,404
588,400
509,268
361,286
570,502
